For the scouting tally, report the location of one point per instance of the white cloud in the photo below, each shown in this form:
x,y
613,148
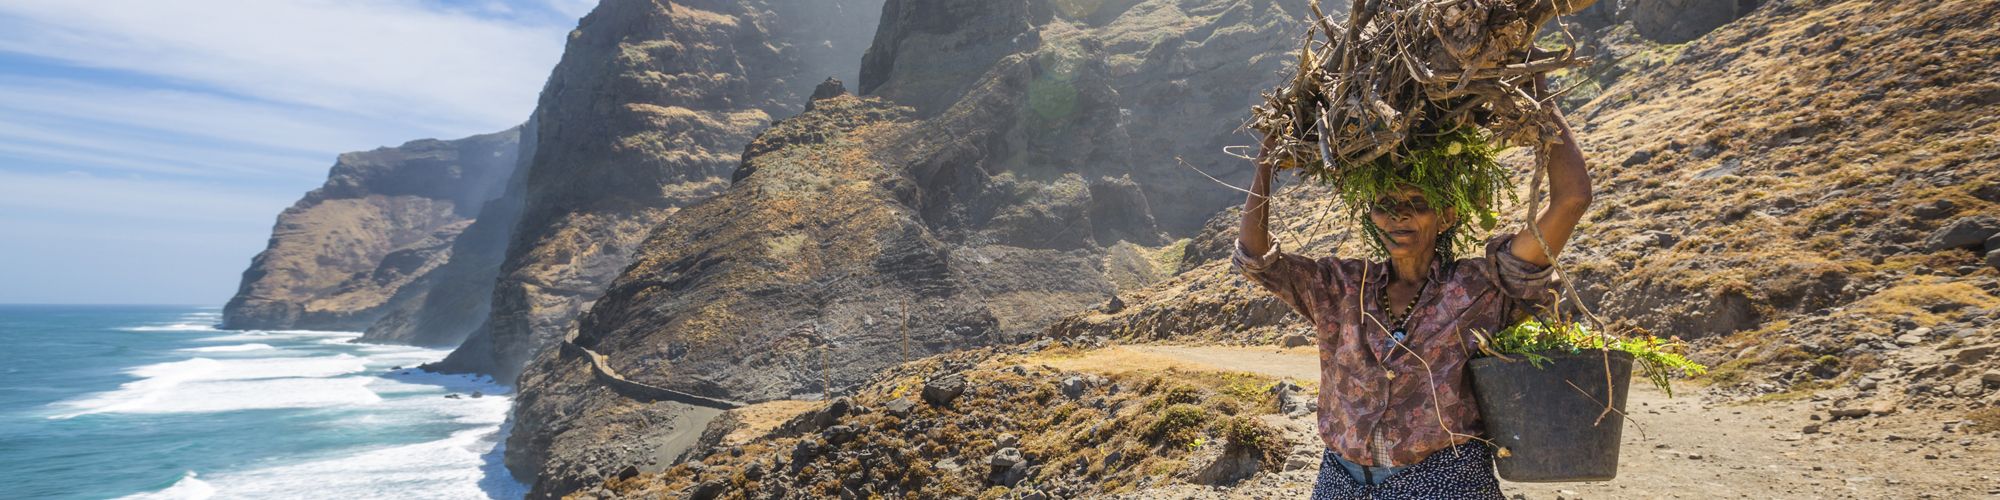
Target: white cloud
x,y
66,195
147,146
385,59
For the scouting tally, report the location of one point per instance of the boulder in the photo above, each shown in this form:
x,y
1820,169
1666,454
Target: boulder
x,y
899,407
1226,464
1073,387
1963,232
1295,340
1993,258
942,390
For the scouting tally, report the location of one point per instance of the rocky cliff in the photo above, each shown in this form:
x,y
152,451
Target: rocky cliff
x,y
985,190
455,299
648,112
364,243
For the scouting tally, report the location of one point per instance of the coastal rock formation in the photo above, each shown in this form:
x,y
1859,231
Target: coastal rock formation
x,y
958,208
364,243
457,296
648,112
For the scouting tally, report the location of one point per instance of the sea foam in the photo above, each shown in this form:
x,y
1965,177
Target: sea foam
x,y
203,385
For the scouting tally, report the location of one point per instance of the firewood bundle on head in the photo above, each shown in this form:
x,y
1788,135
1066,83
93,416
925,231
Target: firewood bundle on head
x,y
1416,93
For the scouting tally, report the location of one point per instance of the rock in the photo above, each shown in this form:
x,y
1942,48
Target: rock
x,y
1840,413
629,472
1991,377
1005,458
899,407
948,465
834,410
1993,258
1007,440
1993,243
941,391
477,394
1963,232
1934,209
1970,387
1810,429
1909,339
1883,408
1923,332
1224,464
709,489
839,434
1073,387
1638,158
829,89
1972,355
1295,340
1113,306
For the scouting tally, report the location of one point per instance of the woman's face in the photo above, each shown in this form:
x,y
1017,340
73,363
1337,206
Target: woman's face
x,y
1410,227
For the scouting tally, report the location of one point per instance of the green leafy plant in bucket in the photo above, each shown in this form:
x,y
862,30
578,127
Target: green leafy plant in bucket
x,y
1660,360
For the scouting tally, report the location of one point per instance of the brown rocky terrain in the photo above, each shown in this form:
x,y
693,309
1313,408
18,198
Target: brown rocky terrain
x,y
1063,422
647,112
1806,193
365,243
1815,221
867,232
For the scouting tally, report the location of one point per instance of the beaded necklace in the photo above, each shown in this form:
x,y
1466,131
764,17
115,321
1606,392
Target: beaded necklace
x,y
1402,329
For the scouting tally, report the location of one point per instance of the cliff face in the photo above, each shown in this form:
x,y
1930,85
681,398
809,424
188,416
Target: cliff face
x,y
647,112
963,206
364,243
454,300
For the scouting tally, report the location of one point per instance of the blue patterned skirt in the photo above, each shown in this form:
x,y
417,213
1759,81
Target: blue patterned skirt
x,y
1461,472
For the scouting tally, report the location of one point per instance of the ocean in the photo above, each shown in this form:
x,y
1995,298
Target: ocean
x,y
154,402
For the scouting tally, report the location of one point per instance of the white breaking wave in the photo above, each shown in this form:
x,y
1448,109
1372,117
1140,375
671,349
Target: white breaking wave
x,y
203,385
292,369
176,327
465,465
264,336
188,488
232,348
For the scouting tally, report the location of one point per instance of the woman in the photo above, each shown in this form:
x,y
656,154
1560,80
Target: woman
x,y
1397,412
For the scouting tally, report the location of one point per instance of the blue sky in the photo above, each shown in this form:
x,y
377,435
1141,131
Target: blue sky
x,y
146,146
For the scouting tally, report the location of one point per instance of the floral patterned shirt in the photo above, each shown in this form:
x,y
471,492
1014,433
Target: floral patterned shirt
x,y
1385,404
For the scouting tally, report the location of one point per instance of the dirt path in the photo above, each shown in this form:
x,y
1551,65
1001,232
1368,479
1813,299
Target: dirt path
x,y
1690,446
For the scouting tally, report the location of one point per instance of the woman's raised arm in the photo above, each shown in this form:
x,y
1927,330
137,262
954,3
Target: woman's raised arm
x,y
1569,199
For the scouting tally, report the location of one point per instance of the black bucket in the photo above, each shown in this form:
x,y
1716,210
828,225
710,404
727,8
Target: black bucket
x,y
1550,429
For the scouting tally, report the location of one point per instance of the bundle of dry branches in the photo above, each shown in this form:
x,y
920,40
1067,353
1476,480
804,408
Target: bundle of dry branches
x,y
1407,69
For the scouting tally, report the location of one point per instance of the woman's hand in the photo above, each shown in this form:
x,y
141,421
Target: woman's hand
x,y
1569,194
1254,232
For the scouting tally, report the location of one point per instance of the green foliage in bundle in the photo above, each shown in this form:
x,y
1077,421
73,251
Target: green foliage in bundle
x,y
1456,170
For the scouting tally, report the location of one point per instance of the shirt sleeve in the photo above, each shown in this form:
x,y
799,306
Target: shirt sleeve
x,y
1516,278
1298,281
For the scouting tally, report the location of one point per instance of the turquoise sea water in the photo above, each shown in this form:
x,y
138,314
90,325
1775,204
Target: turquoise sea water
x,y
153,402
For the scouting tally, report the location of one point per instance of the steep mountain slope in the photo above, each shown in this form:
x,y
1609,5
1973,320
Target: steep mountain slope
x,y
647,112
363,243
862,230
459,293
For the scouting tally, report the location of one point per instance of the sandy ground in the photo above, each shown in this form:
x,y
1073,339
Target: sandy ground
x,y
1689,446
